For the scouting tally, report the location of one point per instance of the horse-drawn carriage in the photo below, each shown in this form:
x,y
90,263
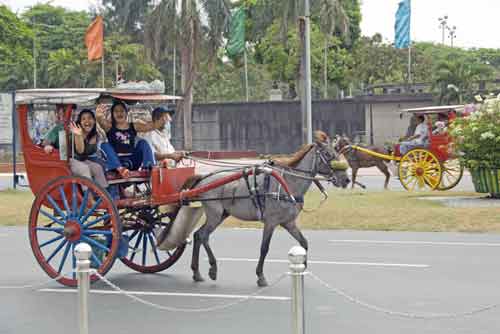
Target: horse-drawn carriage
x,y
432,166
137,229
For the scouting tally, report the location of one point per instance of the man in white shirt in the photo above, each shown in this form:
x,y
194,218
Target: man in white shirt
x,y
159,139
419,139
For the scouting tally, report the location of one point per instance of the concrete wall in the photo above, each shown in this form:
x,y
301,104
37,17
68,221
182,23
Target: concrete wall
x,y
267,127
388,122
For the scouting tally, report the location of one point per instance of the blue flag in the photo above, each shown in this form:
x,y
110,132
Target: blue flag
x,y
402,27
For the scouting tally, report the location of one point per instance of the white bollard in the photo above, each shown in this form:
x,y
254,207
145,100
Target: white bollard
x,y
297,257
82,254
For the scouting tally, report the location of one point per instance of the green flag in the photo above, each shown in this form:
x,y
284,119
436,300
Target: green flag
x,y
236,43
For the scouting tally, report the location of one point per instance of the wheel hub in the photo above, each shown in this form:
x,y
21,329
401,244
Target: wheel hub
x,y
419,171
72,230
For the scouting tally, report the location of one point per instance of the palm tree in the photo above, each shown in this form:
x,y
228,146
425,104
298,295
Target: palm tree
x,y
188,24
333,17
455,79
331,14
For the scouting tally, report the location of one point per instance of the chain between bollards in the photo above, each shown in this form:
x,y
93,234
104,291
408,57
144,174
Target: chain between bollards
x,y
82,254
297,257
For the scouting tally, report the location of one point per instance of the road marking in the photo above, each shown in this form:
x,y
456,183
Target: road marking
x,y
368,264
172,294
433,243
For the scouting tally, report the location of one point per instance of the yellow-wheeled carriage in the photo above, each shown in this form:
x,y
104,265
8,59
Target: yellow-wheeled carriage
x,y
434,166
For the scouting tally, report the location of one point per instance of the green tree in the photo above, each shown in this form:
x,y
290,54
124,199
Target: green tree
x,y
283,62
456,78
16,62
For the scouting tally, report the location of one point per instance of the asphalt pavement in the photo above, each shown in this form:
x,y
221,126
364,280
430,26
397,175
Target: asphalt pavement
x,y
414,273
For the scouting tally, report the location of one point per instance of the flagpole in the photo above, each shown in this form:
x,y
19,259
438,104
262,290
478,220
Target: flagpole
x,y
102,69
246,72
409,63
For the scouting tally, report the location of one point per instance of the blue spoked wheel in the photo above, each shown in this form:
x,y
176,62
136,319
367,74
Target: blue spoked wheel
x,y
142,229
67,211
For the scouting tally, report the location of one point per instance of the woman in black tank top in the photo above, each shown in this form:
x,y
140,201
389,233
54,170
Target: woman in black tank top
x,y
134,153
84,143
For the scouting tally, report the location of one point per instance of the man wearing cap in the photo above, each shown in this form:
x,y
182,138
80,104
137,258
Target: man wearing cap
x,y
159,139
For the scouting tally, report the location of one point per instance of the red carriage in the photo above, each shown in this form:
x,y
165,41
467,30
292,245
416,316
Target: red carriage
x,y
62,215
434,166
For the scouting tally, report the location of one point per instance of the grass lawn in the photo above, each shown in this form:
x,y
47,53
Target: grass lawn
x,y
353,210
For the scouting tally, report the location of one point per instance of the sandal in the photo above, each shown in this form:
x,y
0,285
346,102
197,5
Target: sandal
x,y
124,172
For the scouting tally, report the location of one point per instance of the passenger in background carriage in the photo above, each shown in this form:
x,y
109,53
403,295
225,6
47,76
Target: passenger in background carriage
x,y
441,125
51,139
133,153
419,138
85,160
159,139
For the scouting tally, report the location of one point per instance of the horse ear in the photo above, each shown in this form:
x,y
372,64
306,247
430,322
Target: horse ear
x,y
320,137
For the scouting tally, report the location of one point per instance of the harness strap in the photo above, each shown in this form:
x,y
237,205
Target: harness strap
x,y
252,192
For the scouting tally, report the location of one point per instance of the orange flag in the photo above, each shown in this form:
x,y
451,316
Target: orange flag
x,y
94,39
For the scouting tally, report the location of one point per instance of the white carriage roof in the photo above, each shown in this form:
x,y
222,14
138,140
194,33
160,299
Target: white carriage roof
x,y
435,109
55,96
85,95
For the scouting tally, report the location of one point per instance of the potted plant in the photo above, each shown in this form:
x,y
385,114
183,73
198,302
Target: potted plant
x,y
477,141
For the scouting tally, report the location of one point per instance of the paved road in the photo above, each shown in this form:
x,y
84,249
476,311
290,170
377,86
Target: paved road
x,y
406,272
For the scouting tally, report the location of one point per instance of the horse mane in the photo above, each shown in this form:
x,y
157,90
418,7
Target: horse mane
x,y
295,158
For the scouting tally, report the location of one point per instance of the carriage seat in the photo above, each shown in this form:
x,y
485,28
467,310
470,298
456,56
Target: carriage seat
x,y
135,176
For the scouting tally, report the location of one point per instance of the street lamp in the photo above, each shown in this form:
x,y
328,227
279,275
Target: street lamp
x,y
36,25
443,21
452,33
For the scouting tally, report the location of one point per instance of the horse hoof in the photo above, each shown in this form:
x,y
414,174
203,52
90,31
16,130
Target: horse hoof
x,y
197,277
212,273
261,282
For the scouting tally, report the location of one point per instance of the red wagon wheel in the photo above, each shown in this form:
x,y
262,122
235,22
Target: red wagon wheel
x,y
67,211
143,254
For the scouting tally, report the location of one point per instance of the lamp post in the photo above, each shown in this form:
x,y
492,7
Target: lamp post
x,y
452,33
443,21
35,27
307,81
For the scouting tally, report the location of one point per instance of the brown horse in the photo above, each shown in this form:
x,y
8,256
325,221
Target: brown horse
x,y
358,159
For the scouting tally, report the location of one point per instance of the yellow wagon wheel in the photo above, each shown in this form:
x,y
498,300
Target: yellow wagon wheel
x,y
420,170
453,171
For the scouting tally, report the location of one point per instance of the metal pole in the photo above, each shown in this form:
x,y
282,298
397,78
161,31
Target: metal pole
x,y
371,125
116,71
297,257
325,69
34,54
14,127
174,71
246,73
102,70
307,79
409,63
82,253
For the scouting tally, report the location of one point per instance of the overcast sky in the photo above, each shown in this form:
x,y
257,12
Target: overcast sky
x,y
476,21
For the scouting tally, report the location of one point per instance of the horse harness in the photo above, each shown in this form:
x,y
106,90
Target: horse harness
x,y
258,196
